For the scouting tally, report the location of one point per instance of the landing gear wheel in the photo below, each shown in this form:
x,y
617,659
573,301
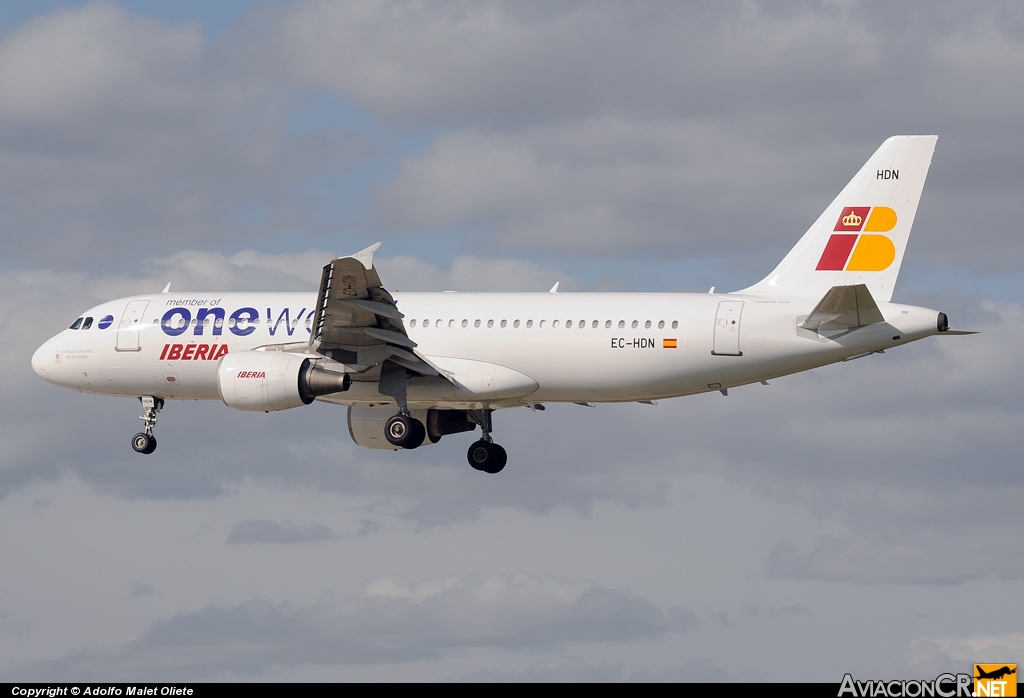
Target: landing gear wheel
x,y
144,443
399,430
487,457
417,435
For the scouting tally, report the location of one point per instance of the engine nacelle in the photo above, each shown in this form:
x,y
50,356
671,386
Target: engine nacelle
x,y
265,381
366,424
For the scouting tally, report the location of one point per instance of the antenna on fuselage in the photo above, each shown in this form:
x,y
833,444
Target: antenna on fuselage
x,y
167,288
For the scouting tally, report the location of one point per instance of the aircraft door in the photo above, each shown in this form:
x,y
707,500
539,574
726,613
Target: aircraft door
x,y
727,329
131,325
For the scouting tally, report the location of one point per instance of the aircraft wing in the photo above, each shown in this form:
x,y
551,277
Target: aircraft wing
x,y
844,308
357,321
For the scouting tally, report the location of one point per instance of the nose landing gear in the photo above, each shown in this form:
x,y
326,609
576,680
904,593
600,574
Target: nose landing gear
x,y
145,442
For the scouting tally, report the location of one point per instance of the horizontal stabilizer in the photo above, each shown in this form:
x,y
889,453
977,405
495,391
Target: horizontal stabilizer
x,y
844,308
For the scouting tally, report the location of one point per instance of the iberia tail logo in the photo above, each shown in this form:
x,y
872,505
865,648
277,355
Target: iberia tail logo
x,y
853,247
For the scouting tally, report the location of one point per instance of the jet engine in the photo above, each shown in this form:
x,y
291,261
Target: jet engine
x,y
265,381
366,424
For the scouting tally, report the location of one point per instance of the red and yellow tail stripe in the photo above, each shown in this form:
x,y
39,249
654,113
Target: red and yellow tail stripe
x,y
856,246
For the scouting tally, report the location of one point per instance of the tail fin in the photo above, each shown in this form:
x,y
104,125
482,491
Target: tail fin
x,y
862,235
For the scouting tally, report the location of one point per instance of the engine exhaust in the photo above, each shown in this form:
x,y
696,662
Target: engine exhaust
x,y
315,381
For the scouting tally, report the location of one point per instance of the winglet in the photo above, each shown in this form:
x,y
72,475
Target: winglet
x,y
167,288
365,257
554,289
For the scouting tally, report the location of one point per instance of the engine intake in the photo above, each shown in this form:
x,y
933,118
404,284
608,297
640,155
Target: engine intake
x,y
267,381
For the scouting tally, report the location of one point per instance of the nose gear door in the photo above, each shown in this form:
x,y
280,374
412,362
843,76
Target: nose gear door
x,y
727,329
131,324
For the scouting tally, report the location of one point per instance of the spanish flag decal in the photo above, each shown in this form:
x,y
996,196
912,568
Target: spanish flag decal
x,y
668,344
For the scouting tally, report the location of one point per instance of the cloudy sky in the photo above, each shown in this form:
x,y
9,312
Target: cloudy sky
x,y
863,517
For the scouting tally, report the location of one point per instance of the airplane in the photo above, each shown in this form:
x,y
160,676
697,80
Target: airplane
x,y
995,674
414,367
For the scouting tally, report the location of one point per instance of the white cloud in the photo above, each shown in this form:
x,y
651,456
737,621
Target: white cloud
x,y
604,186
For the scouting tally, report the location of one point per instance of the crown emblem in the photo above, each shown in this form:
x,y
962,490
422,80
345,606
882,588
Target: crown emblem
x,y
852,219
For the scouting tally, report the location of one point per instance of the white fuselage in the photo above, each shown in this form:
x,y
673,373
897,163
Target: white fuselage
x,y
503,349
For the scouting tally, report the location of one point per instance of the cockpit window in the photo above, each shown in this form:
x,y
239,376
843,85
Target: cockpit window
x,y
76,324
87,324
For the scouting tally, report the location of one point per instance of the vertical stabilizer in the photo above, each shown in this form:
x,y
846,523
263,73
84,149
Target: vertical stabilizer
x,y
862,235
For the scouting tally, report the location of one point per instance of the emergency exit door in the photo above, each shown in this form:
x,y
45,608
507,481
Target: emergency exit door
x,y
727,329
129,329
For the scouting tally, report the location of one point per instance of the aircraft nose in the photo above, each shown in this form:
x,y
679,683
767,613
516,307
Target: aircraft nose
x,y
40,359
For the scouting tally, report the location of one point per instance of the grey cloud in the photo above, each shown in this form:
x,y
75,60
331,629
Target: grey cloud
x,y
930,655
124,136
391,622
579,670
612,185
584,129
141,589
649,129
280,532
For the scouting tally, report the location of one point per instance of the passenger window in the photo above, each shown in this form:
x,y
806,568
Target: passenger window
x,y
465,322
555,323
231,322
661,324
542,322
412,323
76,324
594,324
451,323
607,324
675,324
437,323
504,322
583,324
647,325
87,324
622,323
568,324
529,323
476,323
635,324
490,323
515,324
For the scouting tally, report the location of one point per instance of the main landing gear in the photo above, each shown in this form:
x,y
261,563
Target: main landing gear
x,y
404,431
145,442
485,455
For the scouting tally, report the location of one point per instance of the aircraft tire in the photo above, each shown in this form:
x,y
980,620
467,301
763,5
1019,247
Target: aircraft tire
x,y
487,457
143,443
398,430
416,436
